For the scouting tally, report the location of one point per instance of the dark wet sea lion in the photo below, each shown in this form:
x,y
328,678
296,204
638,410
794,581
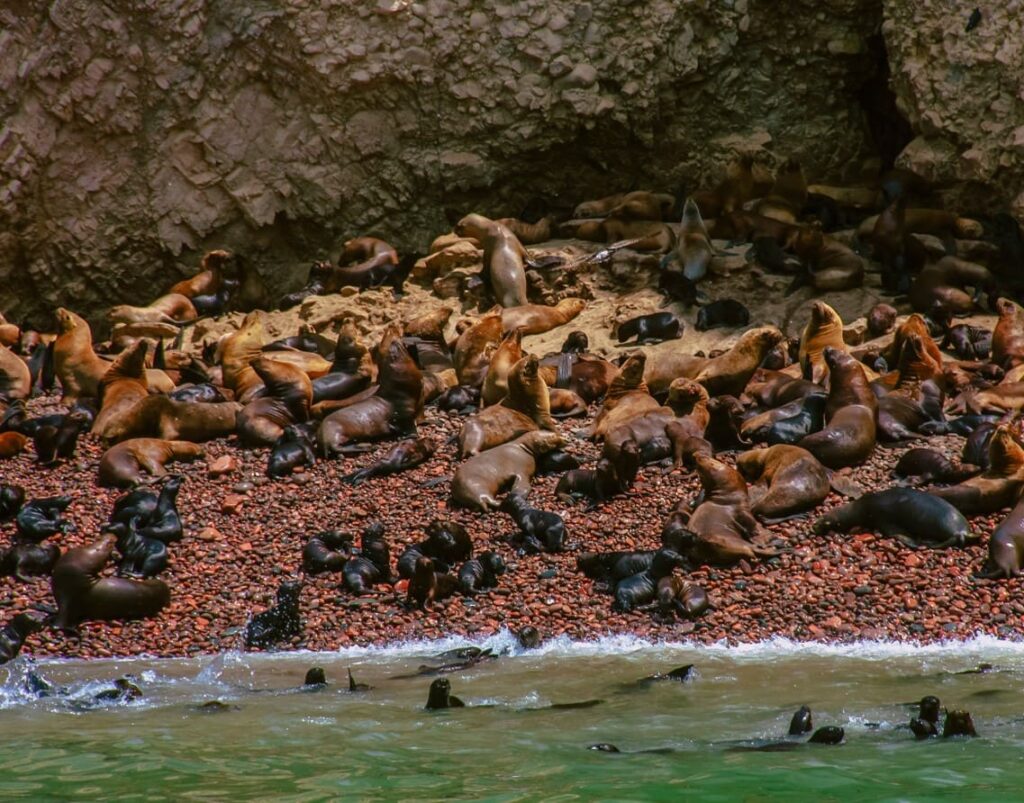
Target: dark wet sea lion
x,y
481,573
14,634
278,623
141,557
12,497
58,443
958,723
82,595
541,530
25,560
158,514
916,518
928,466
441,697
373,563
806,420
42,518
653,328
676,595
802,722
292,450
1006,546
724,312
459,399
830,734
642,588
326,551
999,486
133,461
401,457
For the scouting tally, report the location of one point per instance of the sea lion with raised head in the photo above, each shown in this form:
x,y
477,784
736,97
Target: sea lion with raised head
x,y
504,258
238,352
998,487
122,387
508,353
286,400
729,373
823,330
473,349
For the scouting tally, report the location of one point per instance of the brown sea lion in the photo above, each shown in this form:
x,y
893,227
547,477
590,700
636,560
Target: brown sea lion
x,y
492,427
1006,546
831,265
693,247
1008,335
528,393
508,353
795,480
666,363
566,403
74,361
730,372
12,444
733,191
940,286
473,349
10,333
528,233
584,374
15,377
288,393
429,326
238,351
161,417
788,195
132,461
823,330
998,487
122,387
644,235
82,595
535,319
173,308
636,205
364,262
511,466
208,280
504,259
626,399
881,319
914,325
660,433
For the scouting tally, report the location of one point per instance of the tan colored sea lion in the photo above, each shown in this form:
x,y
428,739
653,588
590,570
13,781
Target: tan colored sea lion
x,y
172,309
288,394
823,330
167,419
508,353
238,351
511,466
794,478
535,319
429,326
528,233
122,387
693,246
528,393
75,363
626,399
492,427
729,373
1008,335
474,347
208,280
133,461
15,377
504,258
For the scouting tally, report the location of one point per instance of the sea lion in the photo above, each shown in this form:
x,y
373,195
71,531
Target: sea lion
x,y
12,444
481,573
733,191
915,518
75,362
238,351
795,480
998,487
642,587
508,353
881,319
1006,547
479,480
41,518
293,449
82,595
157,514
15,633
1008,335
687,600
131,461
626,399
492,427
851,415
535,319
173,308
429,326
802,722
566,403
441,697
401,457
729,373
830,266
326,551
939,287
122,387
473,349
926,466
823,330
281,622
15,377
958,723
210,278
12,497
288,393
528,393
611,476
724,312
539,530
55,442
693,250
788,194
373,563
504,259
141,557
23,560
914,325
660,432
159,416
653,328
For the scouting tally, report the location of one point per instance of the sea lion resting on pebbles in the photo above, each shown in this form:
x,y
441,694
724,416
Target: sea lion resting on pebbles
x,y
1001,484
133,461
492,427
795,480
161,417
508,353
916,518
535,319
478,482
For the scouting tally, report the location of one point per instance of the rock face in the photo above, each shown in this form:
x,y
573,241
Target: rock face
x,y
963,93
133,140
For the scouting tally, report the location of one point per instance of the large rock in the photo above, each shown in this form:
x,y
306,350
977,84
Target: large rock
x,y
133,140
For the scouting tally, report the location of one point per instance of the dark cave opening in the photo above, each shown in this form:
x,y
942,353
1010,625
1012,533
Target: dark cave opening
x,y
890,130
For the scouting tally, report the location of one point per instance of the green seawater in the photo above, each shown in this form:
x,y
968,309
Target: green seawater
x,y
274,742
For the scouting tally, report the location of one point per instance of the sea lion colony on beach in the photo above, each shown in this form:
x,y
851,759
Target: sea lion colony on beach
x,y
769,425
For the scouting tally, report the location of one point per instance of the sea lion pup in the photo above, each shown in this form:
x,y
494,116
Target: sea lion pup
x,y
159,416
288,393
851,415
401,457
58,442
915,518
208,280
626,399
82,595
653,328
642,587
492,427
293,449
282,622
481,573
15,377
373,563
535,319
474,347
15,633
802,722
830,266
121,388
395,408
12,444
795,480
614,474
23,560
968,342
12,497
1008,335
678,596
693,246
326,551
958,723
479,480
528,393
926,466
173,308
998,487
141,557
509,352
729,373
539,530
238,352
881,319
132,461
504,269
441,697
724,312
823,330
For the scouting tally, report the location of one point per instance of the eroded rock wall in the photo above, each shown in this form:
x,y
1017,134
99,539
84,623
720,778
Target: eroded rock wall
x,y
132,140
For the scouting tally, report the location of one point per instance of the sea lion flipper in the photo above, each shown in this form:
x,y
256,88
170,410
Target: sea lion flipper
x,y
455,702
845,485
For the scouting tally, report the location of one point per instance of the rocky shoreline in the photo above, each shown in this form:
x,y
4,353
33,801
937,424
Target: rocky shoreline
x,y
244,535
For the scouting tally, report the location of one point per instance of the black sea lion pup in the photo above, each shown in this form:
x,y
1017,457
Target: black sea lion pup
x,y
401,457
926,723
576,342
448,542
315,678
54,443
16,631
41,518
12,497
164,523
540,530
802,722
460,399
141,557
423,588
653,328
293,449
279,623
724,312
642,587
830,734
441,696
23,560
914,517
958,723
481,573
326,551
372,565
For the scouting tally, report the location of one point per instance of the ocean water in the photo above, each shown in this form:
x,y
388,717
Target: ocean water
x,y
274,741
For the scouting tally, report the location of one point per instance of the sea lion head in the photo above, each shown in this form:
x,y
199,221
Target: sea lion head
x,y
1004,452
131,362
571,307
683,391
28,622
823,315
1004,306
576,343
214,260
691,212
632,373
67,321
473,225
